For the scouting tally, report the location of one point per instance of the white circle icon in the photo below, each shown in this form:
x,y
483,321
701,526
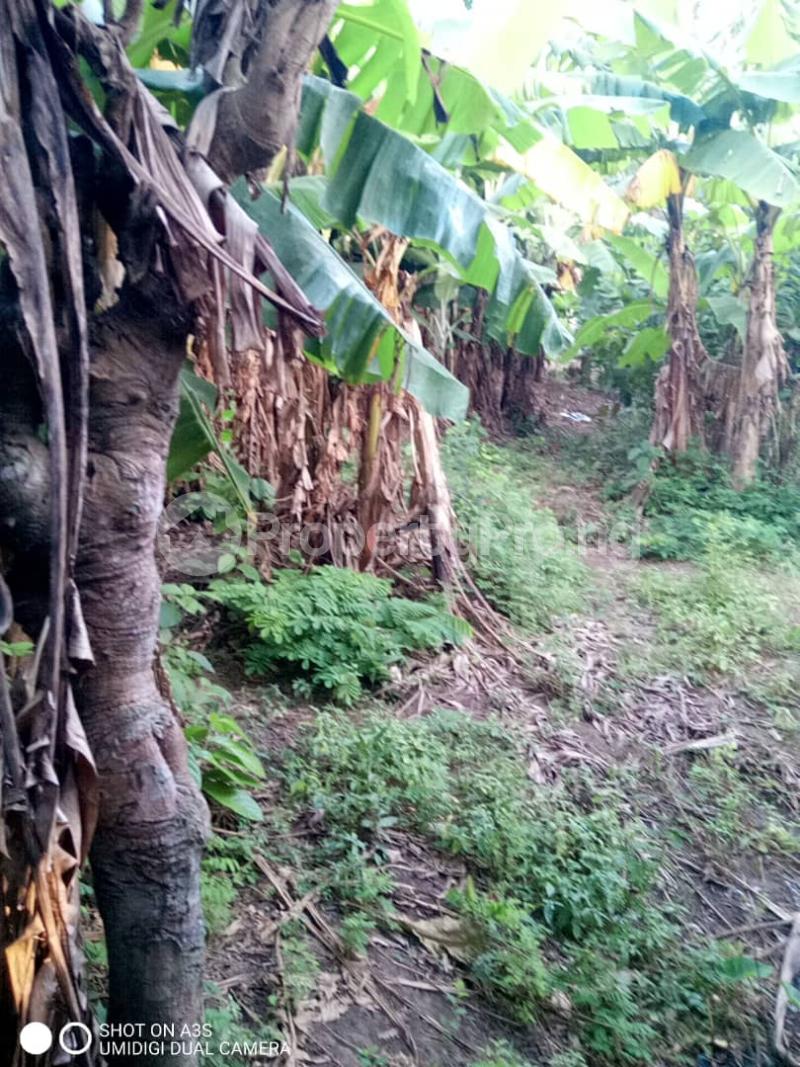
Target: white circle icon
x,y
35,1038
75,1050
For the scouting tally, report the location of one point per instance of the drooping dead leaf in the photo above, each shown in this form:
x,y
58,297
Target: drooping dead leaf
x,y
444,934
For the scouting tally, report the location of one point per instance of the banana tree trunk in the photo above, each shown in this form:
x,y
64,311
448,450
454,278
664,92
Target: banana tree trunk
x,y
146,852
374,455
679,386
434,495
764,367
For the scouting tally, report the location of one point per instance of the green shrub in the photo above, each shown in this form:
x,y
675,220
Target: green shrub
x,y
501,1054
222,757
686,536
332,628
722,618
565,902
227,868
507,959
228,1026
693,493
517,552
368,777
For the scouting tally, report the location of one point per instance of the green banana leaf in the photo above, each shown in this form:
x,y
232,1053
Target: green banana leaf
x,y
629,87
748,162
646,265
194,435
158,24
381,40
651,343
681,62
378,175
362,340
782,85
592,331
773,36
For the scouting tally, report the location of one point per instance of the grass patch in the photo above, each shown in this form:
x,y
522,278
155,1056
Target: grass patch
x,y
501,1054
518,554
741,813
225,1019
721,618
692,496
562,909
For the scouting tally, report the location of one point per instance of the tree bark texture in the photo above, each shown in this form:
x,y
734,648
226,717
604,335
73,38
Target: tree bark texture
x,y
153,821
764,367
267,44
679,386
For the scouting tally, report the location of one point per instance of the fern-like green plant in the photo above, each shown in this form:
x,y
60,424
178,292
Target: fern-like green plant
x,y
332,628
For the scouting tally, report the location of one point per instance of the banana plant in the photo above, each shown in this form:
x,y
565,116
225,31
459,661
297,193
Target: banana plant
x,y
726,121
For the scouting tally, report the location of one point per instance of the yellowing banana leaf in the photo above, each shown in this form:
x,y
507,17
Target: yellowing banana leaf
x,y
656,179
500,46
769,41
557,171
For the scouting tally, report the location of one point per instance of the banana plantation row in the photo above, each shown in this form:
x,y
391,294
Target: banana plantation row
x,y
289,234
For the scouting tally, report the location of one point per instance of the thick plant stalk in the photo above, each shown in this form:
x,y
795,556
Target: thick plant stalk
x,y
370,494
679,387
147,848
764,367
430,493
380,478
242,129
436,496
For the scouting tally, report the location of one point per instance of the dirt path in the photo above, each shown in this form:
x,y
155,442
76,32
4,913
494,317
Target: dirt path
x,y
711,769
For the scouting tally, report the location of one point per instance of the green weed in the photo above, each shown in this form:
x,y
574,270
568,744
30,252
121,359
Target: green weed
x,y
299,965
332,628
222,757
568,1058
501,1054
692,495
722,618
227,868
507,961
218,895
224,1017
741,815
517,552
563,901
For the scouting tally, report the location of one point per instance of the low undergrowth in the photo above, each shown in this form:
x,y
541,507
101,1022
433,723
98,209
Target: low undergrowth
x,y
723,616
741,807
687,495
692,495
517,552
562,914
332,629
